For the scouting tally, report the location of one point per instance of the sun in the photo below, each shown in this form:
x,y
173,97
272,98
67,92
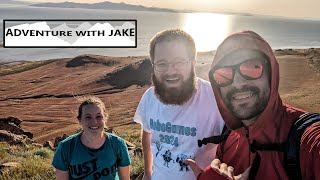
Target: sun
x,y
207,29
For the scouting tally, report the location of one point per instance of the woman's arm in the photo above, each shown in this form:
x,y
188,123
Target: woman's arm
x,y
62,175
124,173
147,155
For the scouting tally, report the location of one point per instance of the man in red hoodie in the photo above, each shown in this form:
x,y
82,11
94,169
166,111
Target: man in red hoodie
x,y
245,79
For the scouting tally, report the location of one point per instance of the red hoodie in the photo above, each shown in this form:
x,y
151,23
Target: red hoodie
x,y
272,126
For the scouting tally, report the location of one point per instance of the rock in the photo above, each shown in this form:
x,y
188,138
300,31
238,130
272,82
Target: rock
x,y
27,140
14,139
49,144
313,58
9,164
13,128
59,139
137,152
90,59
130,145
11,119
138,73
37,145
28,134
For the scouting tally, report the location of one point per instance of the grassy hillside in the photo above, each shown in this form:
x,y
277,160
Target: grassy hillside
x,y
34,163
6,69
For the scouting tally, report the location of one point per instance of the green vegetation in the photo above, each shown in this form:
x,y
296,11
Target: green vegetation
x,y
133,136
136,166
35,163
131,133
6,69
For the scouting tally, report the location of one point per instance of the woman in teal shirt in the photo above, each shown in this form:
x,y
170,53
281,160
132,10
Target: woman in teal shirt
x,y
92,153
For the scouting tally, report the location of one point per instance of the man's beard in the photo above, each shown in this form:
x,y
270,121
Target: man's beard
x,y
175,96
244,112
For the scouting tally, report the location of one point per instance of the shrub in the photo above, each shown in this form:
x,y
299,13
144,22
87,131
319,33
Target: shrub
x,y
137,167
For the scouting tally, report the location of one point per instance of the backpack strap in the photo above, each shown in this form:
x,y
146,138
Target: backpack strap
x,y
225,135
292,164
221,139
215,139
255,147
291,147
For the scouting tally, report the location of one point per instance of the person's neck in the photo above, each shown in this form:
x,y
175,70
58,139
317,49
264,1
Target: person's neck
x,y
250,121
93,141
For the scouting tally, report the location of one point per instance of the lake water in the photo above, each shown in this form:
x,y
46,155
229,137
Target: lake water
x,y
208,29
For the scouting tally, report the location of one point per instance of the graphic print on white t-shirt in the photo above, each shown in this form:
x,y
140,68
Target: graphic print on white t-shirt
x,y
175,131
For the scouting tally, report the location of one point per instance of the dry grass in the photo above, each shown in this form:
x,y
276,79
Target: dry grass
x,y
6,69
35,163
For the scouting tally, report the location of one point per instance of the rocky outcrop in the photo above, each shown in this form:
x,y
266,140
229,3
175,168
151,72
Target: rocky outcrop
x,y
284,52
313,58
90,59
138,73
12,124
12,133
59,139
49,145
11,119
14,139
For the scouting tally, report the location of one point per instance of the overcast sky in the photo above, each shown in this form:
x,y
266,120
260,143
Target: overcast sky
x,y
287,8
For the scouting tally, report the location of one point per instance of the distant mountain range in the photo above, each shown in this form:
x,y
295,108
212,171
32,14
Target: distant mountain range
x,y
103,5
13,2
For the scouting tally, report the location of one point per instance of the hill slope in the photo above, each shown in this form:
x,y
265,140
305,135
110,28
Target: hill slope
x,y
46,97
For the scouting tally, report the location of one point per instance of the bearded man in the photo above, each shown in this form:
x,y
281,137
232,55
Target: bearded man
x,y
177,111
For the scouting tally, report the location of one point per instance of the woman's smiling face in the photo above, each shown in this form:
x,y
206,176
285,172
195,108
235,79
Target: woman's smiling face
x,y
92,119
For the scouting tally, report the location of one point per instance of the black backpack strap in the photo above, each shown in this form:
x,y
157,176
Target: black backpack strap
x,y
215,139
255,147
291,148
255,167
226,133
293,152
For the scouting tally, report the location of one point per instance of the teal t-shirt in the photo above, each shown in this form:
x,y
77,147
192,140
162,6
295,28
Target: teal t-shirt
x,y
84,163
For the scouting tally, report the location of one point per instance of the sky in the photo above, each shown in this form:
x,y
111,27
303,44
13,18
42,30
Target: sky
x,y
304,9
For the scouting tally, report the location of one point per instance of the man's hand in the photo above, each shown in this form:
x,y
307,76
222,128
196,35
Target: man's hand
x,y
227,171
221,168
194,166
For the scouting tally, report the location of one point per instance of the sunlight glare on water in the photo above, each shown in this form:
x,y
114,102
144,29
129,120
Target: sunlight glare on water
x,y
207,29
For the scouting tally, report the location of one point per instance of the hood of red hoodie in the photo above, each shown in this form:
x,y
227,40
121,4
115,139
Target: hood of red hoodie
x,y
268,127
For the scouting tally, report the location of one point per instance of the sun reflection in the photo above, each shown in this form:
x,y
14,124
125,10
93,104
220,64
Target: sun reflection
x,y
207,29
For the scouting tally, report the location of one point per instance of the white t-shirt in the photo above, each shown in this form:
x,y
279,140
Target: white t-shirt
x,y
176,130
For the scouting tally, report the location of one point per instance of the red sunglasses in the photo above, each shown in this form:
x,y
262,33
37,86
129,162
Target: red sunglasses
x,y
250,70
